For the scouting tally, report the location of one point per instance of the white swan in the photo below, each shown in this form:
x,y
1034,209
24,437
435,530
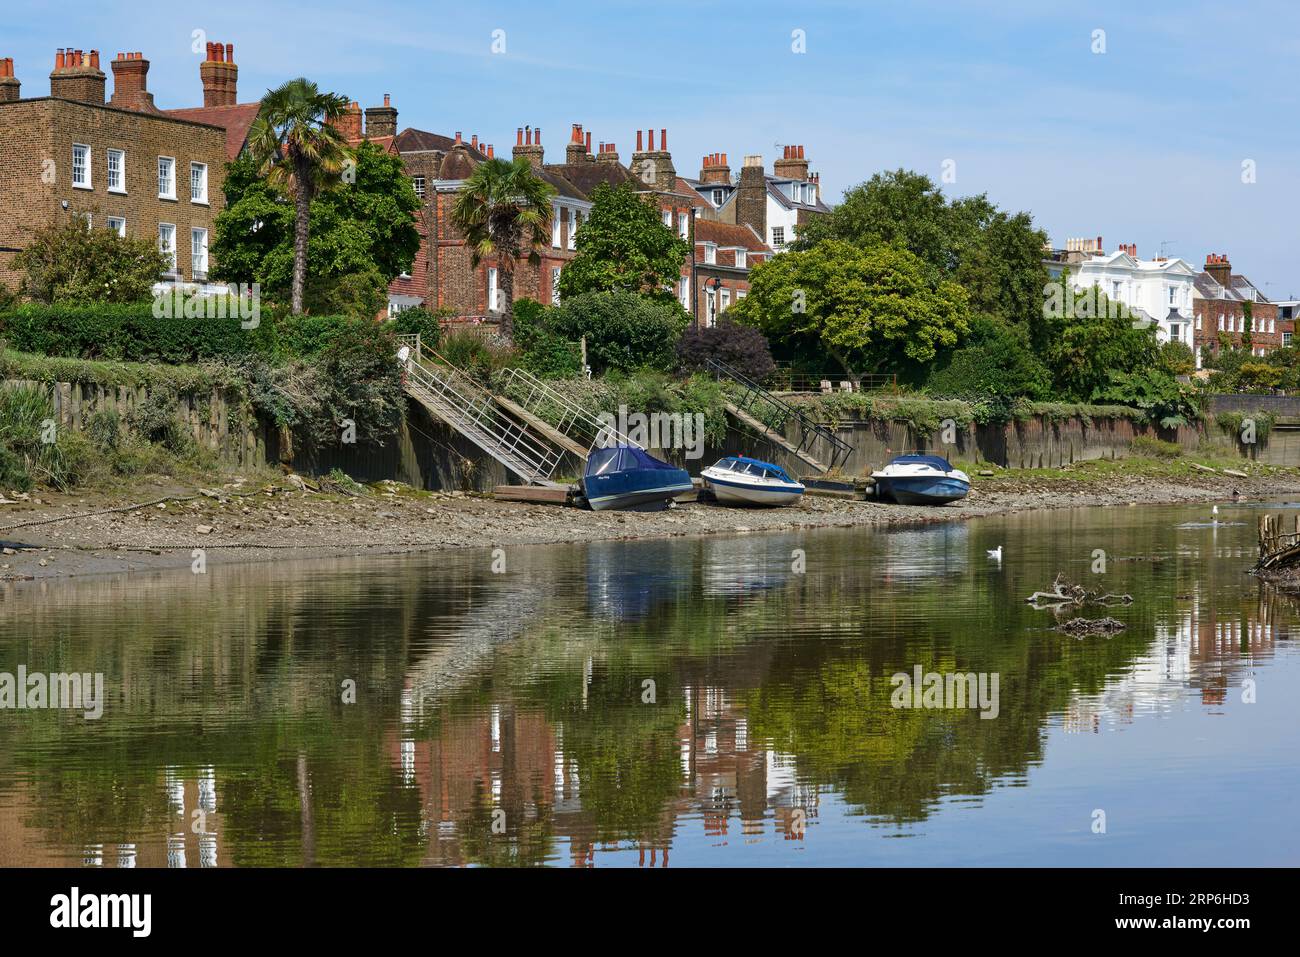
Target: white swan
x,y
996,553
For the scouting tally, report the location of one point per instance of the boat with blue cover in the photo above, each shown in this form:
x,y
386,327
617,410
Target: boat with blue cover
x,y
738,480
918,479
629,477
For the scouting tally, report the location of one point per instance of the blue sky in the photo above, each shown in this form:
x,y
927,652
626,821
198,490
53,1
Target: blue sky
x,y
1143,143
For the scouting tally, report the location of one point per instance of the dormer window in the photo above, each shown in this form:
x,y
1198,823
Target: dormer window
x,y
740,258
710,254
717,197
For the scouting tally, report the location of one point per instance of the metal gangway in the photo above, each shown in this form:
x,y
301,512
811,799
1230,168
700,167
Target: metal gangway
x,y
560,412
471,410
746,409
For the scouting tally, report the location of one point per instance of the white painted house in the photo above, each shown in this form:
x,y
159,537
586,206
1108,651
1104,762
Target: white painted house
x,y
1156,289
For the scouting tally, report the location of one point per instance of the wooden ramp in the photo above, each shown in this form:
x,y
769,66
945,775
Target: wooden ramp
x,y
541,425
771,434
540,494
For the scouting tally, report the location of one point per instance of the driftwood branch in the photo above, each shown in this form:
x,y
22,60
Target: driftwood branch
x,y
1065,592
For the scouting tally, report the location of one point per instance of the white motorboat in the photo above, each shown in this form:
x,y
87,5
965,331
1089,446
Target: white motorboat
x,y
737,480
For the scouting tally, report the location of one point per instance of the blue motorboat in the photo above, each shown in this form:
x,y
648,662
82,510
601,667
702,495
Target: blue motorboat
x,y
921,480
628,477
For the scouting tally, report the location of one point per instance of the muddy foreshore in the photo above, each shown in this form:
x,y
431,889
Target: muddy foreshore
x,y
47,536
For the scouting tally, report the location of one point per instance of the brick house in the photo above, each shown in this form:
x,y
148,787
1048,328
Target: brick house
x,y
724,255
121,161
1219,303
775,205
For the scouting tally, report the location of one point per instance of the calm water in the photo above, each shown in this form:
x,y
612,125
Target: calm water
x,y
695,702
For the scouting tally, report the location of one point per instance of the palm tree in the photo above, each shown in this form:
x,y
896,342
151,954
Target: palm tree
x,y
301,153
504,209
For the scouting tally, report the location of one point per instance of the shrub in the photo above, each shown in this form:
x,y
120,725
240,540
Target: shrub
x,y
542,351
104,429
1177,358
129,333
26,422
419,321
73,263
624,331
743,348
1153,448
475,355
993,370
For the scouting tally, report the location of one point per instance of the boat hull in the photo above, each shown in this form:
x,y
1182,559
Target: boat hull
x,y
732,492
921,489
635,488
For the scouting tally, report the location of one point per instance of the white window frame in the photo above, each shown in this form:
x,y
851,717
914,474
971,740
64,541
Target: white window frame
x,y
121,171
573,227
557,215
417,183
87,182
171,182
778,236
724,300
684,227
117,224
717,197
555,285
493,288
195,233
710,254
168,249
684,291
740,259
202,199
667,216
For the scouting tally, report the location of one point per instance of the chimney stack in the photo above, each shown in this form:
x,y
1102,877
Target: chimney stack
x,y
654,167
77,76
1220,270
9,84
130,86
528,145
220,75
792,164
751,196
381,121
576,151
715,169
349,124
608,153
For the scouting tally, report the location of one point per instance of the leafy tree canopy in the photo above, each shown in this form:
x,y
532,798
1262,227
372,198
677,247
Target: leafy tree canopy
x,y
997,256
624,331
362,229
871,309
624,246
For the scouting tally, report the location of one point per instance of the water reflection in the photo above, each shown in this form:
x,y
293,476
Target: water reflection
x,y
698,701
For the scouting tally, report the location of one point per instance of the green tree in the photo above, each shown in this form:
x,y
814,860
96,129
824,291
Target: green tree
x,y
624,331
361,234
997,256
869,309
993,368
503,211
301,153
1087,338
1247,324
71,262
625,246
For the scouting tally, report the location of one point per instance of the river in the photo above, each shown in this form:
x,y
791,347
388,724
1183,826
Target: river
x,y
687,702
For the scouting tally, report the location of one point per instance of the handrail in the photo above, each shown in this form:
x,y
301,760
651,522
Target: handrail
x,y
754,393
478,418
574,421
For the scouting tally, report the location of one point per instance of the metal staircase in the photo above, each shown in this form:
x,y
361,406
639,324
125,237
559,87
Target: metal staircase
x,y
754,395
471,410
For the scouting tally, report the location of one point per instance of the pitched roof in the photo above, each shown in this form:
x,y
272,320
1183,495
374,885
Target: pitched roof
x,y
1239,288
421,141
775,192
587,176
235,120
727,234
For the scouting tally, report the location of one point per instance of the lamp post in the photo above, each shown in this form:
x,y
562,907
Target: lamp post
x,y
716,283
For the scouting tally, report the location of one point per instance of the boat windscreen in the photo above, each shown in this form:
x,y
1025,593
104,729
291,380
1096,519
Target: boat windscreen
x,y
621,457
932,460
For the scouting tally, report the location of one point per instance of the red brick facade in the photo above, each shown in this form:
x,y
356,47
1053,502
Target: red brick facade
x,y
73,153
1220,303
